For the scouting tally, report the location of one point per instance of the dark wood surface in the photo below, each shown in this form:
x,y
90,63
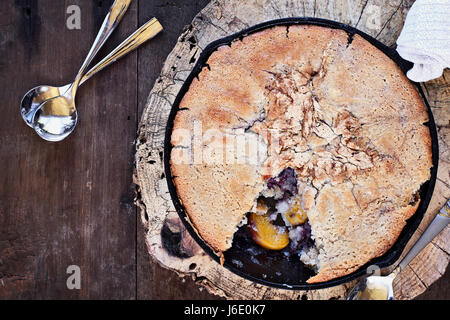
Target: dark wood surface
x,y
72,203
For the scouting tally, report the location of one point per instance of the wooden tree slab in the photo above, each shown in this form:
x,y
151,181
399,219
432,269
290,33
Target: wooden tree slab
x,y
168,242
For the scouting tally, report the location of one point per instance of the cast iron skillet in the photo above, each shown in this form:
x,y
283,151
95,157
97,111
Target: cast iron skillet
x,y
279,269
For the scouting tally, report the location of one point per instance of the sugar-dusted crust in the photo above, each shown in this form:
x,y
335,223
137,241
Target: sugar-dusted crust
x,y
340,112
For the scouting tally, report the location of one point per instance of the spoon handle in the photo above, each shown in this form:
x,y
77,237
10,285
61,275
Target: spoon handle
x,y
112,20
441,220
143,34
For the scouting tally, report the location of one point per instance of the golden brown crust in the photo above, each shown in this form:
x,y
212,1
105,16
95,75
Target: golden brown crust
x,y
349,122
198,188
375,233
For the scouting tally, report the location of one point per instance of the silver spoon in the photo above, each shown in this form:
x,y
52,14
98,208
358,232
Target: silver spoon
x,y
380,287
36,96
63,107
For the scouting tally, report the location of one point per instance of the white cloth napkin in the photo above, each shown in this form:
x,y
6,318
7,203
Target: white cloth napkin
x,y
425,39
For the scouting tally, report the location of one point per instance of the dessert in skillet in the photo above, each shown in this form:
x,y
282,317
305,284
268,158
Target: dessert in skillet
x,y
314,139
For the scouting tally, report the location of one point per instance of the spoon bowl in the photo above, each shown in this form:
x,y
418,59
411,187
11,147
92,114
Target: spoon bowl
x,y
374,288
56,118
35,97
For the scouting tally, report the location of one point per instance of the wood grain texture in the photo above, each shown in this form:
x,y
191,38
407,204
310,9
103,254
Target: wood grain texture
x,y
69,203
381,19
153,281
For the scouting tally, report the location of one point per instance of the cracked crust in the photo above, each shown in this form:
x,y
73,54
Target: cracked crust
x,y
346,119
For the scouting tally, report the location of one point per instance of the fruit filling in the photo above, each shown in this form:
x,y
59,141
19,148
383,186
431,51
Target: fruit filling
x,y
267,234
279,219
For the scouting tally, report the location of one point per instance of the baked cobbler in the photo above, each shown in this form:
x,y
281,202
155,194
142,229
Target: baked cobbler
x,y
334,147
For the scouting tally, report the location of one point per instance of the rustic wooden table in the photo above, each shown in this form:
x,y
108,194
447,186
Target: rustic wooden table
x,y
72,203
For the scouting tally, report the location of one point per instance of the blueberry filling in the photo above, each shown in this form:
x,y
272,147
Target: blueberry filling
x,y
281,202
301,237
286,181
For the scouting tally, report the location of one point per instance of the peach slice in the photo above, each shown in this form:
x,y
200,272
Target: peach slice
x,y
266,234
296,215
